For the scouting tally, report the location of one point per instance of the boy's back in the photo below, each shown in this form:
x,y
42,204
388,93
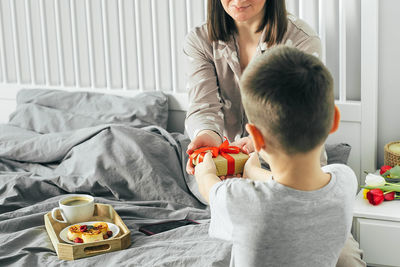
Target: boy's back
x,y
270,224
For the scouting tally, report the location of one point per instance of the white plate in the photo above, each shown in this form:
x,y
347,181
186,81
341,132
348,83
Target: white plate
x,y
112,227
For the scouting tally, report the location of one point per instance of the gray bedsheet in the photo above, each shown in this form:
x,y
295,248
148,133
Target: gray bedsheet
x,y
137,167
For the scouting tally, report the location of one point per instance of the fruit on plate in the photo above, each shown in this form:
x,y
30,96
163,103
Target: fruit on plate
x,y
85,233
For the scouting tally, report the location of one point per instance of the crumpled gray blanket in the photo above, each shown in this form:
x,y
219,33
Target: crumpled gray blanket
x,y
113,148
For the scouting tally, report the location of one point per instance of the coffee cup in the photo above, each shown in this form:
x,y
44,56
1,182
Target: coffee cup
x,y
74,208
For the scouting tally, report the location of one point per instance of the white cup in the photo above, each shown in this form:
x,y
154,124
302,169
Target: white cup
x,y
75,208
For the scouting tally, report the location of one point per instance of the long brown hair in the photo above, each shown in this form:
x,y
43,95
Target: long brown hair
x,y
221,26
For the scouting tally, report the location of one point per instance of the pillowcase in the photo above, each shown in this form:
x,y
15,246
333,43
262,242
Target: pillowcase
x,y
47,111
338,153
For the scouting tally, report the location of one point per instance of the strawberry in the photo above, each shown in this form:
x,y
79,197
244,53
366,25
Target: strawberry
x,y
78,240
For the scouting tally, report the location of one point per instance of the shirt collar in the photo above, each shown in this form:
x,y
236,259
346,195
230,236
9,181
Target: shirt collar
x,y
262,45
229,50
231,43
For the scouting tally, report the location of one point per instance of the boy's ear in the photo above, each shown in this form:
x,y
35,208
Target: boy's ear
x,y
336,120
256,135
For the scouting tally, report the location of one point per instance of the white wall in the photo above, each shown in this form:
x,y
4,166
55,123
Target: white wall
x,y
389,75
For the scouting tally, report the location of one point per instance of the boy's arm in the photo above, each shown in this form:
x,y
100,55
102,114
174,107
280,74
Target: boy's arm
x,y
205,173
253,170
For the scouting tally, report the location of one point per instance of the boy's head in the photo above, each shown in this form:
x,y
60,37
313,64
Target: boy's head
x,y
288,94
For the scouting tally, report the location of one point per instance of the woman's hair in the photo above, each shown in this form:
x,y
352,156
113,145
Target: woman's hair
x,y
221,26
288,94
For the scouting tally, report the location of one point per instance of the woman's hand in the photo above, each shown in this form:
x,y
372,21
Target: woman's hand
x,y
205,138
245,144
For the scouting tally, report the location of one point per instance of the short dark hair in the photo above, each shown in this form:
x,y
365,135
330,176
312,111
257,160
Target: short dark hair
x,y
221,26
289,94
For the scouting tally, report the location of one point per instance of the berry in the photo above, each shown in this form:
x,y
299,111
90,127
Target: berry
x,y
105,236
83,228
78,240
109,233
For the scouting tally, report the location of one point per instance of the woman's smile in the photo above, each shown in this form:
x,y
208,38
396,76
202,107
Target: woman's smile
x,y
242,11
241,8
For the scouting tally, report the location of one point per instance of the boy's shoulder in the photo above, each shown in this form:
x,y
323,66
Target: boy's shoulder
x,y
340,170
344,175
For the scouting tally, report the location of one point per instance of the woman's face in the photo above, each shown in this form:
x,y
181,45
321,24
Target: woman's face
x,y
244,10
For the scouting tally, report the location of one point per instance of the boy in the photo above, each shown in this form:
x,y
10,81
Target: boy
x,y
298,214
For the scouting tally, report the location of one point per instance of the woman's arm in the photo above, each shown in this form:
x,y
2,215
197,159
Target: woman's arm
x,y
204,111
204,119
311,45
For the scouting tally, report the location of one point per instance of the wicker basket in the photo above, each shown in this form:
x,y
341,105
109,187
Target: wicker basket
x,y
391,158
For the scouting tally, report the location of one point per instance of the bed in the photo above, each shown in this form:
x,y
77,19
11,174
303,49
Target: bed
x,y
116,149
89,109
61,142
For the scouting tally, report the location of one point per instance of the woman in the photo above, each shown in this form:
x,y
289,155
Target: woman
x,y
217,53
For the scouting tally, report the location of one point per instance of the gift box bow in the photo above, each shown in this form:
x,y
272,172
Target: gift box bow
x,y
224,150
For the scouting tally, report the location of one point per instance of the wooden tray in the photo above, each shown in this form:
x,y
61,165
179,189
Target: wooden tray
x,y
102,212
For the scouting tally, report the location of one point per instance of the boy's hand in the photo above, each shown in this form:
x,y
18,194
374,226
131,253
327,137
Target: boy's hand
x,y
245,144
253,170
252,163
207,166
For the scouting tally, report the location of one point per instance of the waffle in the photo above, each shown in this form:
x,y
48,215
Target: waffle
x,y
102,226
92,235
88,233
74,232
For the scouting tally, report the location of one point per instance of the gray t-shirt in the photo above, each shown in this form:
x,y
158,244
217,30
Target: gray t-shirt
x,y
270,224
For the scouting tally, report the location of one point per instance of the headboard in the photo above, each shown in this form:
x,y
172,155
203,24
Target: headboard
x,y
128,46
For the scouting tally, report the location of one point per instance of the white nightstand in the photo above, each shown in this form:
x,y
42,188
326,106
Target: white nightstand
x,y
377,229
